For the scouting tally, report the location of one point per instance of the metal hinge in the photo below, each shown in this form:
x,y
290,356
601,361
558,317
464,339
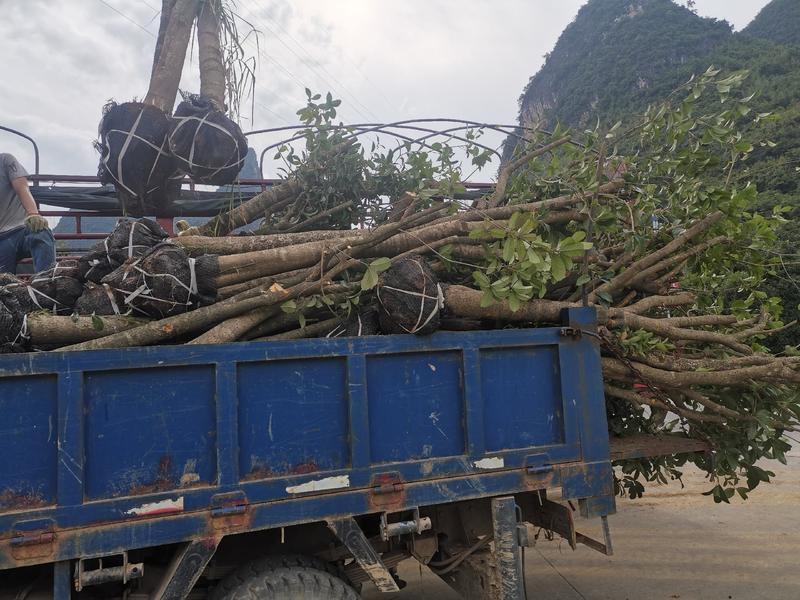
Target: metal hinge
x,y
33,539
387,490
572,332
229,510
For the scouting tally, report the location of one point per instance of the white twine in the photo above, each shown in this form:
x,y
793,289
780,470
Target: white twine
x,y
125,145
110,294
437,305
144,290
336,331
190,160
131,135
32,291
23,331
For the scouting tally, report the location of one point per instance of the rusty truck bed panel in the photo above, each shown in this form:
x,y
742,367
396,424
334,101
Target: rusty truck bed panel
x,y
121,449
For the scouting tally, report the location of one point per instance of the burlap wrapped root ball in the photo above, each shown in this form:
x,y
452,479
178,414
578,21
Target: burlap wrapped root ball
x,y
135,157
12,322
206,144
55,290
98,299
409,298
130,238
359,323
163,282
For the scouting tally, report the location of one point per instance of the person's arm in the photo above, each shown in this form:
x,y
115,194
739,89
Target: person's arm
x,y
35,222
20,185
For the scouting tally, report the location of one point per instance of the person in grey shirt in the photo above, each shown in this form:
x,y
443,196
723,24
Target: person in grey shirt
x,y
24,233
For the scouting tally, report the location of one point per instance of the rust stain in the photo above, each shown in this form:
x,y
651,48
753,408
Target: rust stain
x,y
305,468
388,491
540,481
264,472
259,472
11,500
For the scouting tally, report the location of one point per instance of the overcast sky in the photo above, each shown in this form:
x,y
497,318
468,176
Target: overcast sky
x,y
387,60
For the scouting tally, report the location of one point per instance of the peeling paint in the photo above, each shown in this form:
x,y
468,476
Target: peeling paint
x,y
157,508
493,462
318,485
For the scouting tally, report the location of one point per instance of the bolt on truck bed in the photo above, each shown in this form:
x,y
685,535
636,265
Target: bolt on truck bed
x,y
108,452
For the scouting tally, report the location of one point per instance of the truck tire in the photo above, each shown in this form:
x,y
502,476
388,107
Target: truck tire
x,y
284,578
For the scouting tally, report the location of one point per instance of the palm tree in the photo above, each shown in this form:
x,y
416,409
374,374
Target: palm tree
x,y
144,152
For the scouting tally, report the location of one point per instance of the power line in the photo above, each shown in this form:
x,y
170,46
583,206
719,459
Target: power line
x,y
273,113
314,70
364,75
127,18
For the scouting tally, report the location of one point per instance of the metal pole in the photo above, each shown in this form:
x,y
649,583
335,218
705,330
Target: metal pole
x,y
62,580
32,141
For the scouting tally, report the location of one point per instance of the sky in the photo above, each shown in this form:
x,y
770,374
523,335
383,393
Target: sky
x,y
386,60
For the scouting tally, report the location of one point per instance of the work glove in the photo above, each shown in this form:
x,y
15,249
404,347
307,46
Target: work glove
x,y
185,229
36,223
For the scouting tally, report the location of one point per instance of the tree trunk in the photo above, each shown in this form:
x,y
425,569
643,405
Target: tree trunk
x,y
249,211
166,12
321,328
212,69
166,76
52,331
197,245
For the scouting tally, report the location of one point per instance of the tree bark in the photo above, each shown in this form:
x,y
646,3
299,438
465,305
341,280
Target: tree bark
x,y
320,328
496,197
249,211
197,245
166,75
51,331
166,12
212,69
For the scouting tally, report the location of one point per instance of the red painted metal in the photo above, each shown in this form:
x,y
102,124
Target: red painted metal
x,y
165,221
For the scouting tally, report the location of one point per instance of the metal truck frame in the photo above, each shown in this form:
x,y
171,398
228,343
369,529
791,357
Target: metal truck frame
x,y
158,470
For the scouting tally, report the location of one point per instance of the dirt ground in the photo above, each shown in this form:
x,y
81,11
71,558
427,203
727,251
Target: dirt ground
x,y
672,544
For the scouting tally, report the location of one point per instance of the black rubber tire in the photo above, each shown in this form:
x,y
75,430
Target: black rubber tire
x,y
286,577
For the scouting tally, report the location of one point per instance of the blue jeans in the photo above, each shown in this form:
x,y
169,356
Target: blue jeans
x,y
23,243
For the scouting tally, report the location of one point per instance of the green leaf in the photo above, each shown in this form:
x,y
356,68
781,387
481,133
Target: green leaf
x,y
301,318
97,323
379,265
481,279
486,299
289,307
370,279
605,297
558,267
509,250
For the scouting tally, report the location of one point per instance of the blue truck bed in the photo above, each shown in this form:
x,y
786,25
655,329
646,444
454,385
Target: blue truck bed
x,y
112,450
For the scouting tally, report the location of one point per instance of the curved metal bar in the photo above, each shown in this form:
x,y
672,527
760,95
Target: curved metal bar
x,y
363,128
359,131
32,141
407,122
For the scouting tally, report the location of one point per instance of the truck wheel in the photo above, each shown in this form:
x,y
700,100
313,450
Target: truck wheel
x,y
284,578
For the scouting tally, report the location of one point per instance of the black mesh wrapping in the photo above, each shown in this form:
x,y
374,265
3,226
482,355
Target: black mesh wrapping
x,y
205,143
135,157
409,297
